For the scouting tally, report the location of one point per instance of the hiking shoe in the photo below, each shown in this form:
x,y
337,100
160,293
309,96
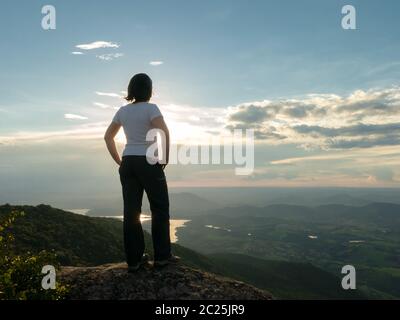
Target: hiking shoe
x,y
171,260
143,262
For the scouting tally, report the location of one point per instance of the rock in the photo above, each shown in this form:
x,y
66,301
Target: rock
x,y
174,282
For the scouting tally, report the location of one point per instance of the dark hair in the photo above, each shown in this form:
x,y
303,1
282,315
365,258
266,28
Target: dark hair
x,y
140,88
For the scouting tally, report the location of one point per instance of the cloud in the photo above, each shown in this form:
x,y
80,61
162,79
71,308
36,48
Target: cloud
x,y
109,56
71,116
390,140
382,155
108,94
97,45
189,124
360,120
357,166
102,105
296,112
355,130
309,122
250,114
80,132
156,63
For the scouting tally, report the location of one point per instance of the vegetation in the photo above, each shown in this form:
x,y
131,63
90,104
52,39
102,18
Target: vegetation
x,y
285,280
20,275
87,241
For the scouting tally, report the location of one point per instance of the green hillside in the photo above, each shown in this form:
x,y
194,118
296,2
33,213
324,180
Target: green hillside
x,y
87,241
79,240
285,280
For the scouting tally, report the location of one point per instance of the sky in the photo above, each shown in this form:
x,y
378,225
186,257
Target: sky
x,y
324,102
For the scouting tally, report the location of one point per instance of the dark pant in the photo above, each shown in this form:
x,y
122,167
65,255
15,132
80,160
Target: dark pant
x,y
137,175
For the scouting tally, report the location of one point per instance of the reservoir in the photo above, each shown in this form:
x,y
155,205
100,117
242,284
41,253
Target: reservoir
x,y
175,224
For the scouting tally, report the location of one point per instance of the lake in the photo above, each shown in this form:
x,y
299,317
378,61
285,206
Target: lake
x,y
175,224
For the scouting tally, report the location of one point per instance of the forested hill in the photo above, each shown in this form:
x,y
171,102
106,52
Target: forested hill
x,y
82,241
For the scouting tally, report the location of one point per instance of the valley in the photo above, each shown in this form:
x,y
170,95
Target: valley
x,y
328,236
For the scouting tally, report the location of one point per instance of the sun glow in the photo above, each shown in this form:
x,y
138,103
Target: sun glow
x,y
120,137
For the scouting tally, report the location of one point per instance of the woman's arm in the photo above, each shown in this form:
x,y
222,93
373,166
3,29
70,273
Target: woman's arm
x,y
109,136
159,123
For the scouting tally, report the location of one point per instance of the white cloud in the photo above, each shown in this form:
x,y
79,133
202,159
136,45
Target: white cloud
x,y
81,132
97,45
108,94
362,119
156,63
102,105
188,124
76,53
71,116
109,56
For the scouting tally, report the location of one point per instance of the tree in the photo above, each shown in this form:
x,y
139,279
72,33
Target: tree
x,y
21,275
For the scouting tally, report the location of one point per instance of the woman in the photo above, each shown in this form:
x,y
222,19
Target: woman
x,y
138,175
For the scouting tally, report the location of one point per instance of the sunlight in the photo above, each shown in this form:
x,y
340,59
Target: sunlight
x,y
120,137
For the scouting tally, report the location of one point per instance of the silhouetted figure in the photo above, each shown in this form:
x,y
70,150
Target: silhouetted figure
x,y
138,175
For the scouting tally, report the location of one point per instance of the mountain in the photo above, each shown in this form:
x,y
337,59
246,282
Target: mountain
x,y
82,241
321,212
286,280
319,199
262,196
182,204
79,240
76,239
178,282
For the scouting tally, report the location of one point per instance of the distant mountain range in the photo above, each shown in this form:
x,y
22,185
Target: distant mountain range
x,y
262,196
87,241
188,204
182,204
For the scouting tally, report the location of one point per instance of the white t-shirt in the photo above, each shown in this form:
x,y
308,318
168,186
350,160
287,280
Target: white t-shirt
x,y
135,118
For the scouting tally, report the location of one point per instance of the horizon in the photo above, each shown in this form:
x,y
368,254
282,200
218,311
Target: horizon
x,y
185,201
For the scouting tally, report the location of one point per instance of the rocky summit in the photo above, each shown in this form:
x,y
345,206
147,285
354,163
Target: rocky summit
x,y
174,282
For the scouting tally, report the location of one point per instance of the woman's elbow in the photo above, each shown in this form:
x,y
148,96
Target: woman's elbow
x,y
107,137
